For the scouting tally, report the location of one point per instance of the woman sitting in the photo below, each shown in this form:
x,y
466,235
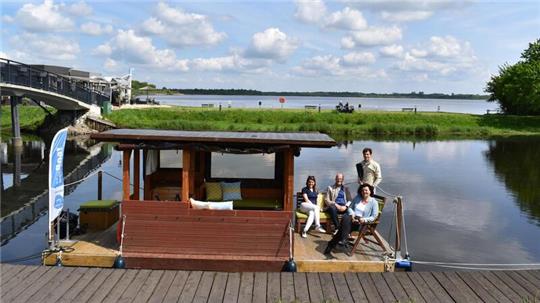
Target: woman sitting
x,y
309,206
363,209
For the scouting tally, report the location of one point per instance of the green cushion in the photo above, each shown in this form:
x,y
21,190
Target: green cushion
x,y
213,191
94,204
269,204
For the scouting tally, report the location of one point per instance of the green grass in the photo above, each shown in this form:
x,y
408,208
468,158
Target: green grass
x,y
330,122
30,118
358,124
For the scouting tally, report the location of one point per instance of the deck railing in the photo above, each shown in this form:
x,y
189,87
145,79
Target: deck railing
x,y
18,73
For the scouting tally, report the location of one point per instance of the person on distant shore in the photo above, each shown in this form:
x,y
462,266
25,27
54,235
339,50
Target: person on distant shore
x,y
336,199
310,207
369,171
363,209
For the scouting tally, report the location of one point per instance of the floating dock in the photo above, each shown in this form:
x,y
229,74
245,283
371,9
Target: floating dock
x,y
100,249
67,284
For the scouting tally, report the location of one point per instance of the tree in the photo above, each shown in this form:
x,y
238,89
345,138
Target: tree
x,y
517,87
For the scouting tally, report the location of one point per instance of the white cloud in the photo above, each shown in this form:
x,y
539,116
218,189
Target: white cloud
x,y
271,44
96,29
128,47
310,11
441,56
418,53
405,16
79,9
372,36
110,64
52,47
358,58
351,64
180,28
393,50
153,26
44,17
7,19
232,63
349,19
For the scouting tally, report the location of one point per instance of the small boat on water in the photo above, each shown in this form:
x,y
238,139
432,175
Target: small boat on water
x,y
168,222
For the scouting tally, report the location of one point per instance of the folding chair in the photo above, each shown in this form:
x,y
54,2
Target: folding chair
x,y
369,229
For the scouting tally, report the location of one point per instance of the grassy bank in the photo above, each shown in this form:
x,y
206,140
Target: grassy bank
x,y
330,122
30,118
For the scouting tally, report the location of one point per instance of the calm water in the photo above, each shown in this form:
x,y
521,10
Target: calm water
x,y
465,201
390,104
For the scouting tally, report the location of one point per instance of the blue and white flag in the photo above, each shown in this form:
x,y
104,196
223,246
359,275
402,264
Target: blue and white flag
x,y
56,176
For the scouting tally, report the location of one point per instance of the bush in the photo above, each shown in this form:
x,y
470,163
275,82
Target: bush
x,y
517,87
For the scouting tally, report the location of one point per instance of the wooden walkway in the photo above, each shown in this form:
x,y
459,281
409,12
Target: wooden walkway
x,y
69,284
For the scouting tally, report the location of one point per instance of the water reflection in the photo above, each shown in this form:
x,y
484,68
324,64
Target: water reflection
x,y
18,162
517,163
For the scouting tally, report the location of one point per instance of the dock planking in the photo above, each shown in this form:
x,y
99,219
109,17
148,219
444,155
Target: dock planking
x,y
22,283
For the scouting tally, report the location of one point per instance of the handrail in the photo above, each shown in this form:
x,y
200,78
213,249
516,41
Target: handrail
x,y
12,72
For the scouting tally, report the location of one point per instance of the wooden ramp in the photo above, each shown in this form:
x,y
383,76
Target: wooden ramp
x,y
309,256
64,284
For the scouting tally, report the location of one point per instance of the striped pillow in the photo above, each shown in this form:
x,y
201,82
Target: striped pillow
x,y
213,191
231,191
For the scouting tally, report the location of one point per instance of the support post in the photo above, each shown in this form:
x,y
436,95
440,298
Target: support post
x,y
186,169
126,178
288,179
136,174
15,124
100,185
399,223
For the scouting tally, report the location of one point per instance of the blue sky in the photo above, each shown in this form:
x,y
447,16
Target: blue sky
x,y
369,46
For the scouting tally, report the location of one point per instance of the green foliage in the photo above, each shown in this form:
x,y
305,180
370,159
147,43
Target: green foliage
x,y
517,87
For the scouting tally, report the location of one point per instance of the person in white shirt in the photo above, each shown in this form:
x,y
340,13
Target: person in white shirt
x,y
369,171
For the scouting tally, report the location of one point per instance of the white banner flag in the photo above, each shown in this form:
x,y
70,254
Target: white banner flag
x,y
56,176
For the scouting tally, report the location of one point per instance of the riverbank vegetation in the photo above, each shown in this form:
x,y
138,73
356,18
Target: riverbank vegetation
x,y
330,122
517,87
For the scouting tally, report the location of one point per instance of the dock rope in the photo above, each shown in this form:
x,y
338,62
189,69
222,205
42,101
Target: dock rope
x,y
93,174
482,266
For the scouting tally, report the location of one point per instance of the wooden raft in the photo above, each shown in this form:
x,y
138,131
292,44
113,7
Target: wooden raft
x,y
168,235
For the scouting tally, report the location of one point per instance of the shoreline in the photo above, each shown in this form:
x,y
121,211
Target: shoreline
x,y
372,124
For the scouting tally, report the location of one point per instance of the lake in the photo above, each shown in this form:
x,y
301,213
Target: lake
x,y
386,104
471,201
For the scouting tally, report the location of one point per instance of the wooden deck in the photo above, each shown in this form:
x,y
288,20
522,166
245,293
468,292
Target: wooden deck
x,y
66,284
99,249
309,256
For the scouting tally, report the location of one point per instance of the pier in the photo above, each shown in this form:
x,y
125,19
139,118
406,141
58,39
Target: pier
x,y
66,284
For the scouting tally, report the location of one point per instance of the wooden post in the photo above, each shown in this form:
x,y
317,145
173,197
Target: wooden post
x,y
146,179
126,178
399,223
100,185
136,174
288,179
186,169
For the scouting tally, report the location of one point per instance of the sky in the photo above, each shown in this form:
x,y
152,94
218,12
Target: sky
x,y
381,46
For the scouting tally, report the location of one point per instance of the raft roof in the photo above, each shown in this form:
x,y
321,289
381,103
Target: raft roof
x,y
215,137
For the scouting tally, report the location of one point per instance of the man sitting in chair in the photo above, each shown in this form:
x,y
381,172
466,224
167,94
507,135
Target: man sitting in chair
x,y
363,209
336,199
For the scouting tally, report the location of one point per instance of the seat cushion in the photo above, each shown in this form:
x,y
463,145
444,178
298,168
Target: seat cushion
x,y
213,191
303,216
231,191
258,204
